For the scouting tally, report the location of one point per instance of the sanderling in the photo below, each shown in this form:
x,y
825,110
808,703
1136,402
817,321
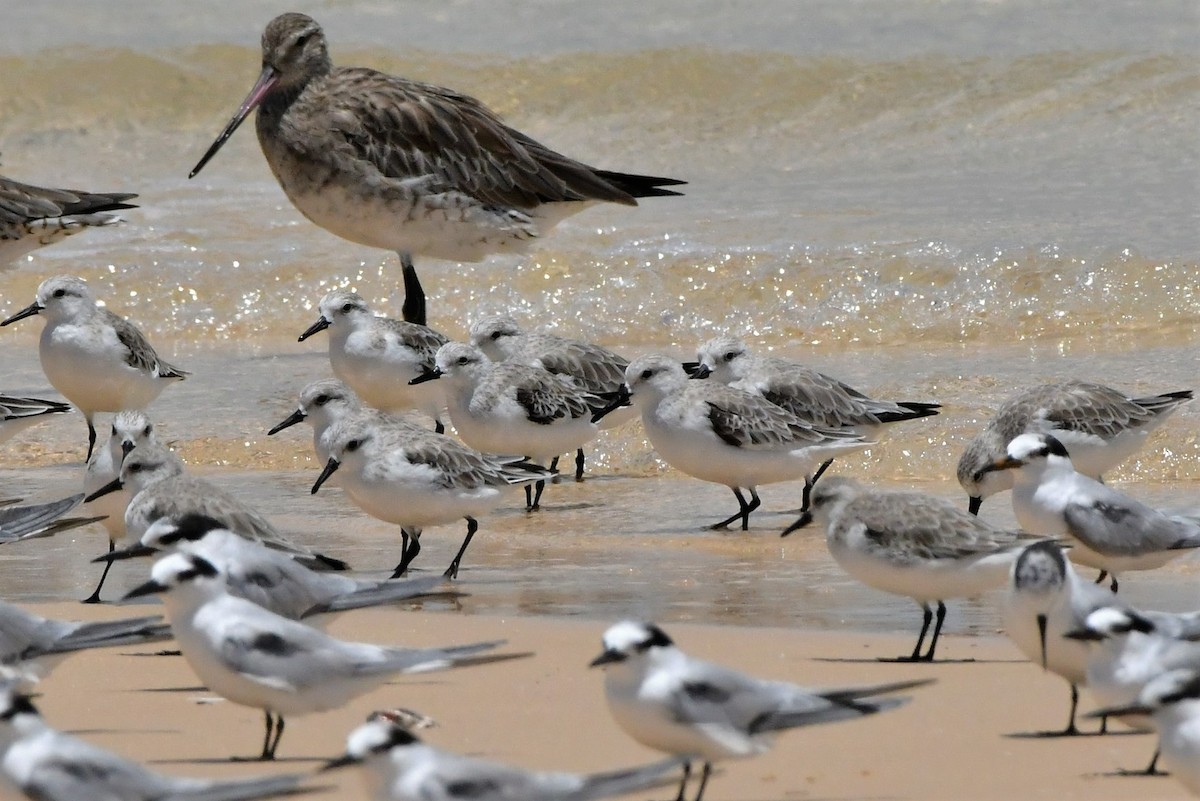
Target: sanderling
x,y
399,767
49,765
910,544
1045,599
18,414
33,642
33,216
593,368
256,658
100,362
378,357
159,487
415,478
507,407
715,432
1100,427
804,392
1110,531
1172,700
408,166
671,702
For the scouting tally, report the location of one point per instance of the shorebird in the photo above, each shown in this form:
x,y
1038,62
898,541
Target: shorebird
x,y
33,216
592,368
1100,427
100,362
130,429
804,392
718,433
377,357
407,166
18,414
399,767
910,544
256,658
696,710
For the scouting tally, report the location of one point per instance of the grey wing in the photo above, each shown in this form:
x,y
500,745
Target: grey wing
x,y
244,790
288,657
24,635
20,202
546,400
278,583
743,420
14,408
78,770
816,397
462,778
597,369
1116,525
452,142
721,697
459,466
1090,409
139,353
422,339
924,527
17,522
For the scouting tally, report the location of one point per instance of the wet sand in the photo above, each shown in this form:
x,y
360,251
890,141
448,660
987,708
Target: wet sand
x,y
965,737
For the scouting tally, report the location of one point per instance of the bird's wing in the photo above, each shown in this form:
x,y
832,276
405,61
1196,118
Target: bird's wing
x,y
139,353
545,399
1116,525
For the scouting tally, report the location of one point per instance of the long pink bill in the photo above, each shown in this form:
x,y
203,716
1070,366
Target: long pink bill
x,y
265,83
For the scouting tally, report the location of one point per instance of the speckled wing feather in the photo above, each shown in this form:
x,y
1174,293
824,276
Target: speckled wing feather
x,y
927,528
412,130
462,468
816,397
745,420
22,202
596,369
421,338
140,354
546,399
1074,406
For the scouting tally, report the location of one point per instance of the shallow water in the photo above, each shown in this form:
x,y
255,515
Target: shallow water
x,y
931,201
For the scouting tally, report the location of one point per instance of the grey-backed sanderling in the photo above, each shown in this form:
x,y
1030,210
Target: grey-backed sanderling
x,y
510,408
99,362
718,433
417,478
1098,425
256,658
593,368
696,710
408,166
910,544
378,357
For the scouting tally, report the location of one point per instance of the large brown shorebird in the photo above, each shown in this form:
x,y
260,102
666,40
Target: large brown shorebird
x,y
408,166
33,216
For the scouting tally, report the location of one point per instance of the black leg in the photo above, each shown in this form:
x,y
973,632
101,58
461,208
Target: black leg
x,y
809,482
926,620
1071,731
687,772
472,527
278,737
408,553
1152,768
268,749
1113,585
413,309
937,630
536,503
553,465
703,780
579,461
1100,578
1104,725
744,510
94,598
439,427
91,440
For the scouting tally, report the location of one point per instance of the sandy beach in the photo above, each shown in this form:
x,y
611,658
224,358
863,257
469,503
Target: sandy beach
x,y
967,736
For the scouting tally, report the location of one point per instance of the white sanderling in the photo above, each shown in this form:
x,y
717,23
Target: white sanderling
x,y
806,393
378,357
270,578
416,478
696,710
50,765
1110,531
397,766
31,521
510,408
256,658
156,479
18,414
1129,648
36,644
1100,427
99,362
1045,599
715,432
910,544
593,368
1172,701
33,216
408,166
130,429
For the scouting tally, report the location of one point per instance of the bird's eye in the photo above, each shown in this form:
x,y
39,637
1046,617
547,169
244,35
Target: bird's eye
x,y
463,360
147,430
646,374
135,468
347,308
60,293
730,356
303,38
321,400
496,335
114,433
353,445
